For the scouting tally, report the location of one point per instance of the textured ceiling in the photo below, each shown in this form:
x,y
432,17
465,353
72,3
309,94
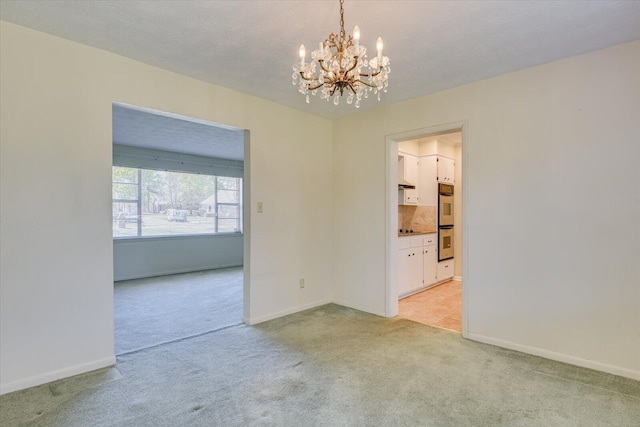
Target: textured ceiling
x,y
160,131
250,46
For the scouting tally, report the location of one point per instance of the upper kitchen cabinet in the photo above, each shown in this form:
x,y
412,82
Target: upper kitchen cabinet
x,y
407,196
408,170
446,168
411,169
428,181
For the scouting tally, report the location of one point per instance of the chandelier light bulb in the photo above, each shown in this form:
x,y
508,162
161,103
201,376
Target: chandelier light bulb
x,y
340,66
302,52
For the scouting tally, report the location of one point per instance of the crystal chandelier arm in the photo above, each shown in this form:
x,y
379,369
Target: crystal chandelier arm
x,y
372,74
309,79
363,82
309,87
355,64
321,62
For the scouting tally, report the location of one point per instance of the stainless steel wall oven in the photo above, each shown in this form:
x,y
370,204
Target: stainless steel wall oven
x,y
445,205
445,221
445,244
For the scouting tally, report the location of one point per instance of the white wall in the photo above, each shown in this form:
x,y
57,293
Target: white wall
x,y
553,184
447,150
409,147
56,291
428,147
147,257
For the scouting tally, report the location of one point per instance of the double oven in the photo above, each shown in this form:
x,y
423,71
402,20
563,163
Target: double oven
x,y
445,221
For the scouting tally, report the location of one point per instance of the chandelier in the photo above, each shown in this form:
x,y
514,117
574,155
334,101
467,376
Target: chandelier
x,y
343,67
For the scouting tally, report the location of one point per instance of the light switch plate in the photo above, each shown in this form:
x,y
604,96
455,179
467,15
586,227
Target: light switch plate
x,y
259,207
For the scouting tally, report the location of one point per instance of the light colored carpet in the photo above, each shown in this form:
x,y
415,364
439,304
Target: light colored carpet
x,y
157,310
329,366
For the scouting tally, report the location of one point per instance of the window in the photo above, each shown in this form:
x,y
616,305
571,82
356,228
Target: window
x,y
158,203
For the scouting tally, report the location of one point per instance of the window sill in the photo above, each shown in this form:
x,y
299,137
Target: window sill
x,y
175,237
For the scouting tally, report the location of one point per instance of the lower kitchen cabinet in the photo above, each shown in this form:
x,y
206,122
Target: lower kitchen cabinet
x,y
417,263
429,265
415,269
445,270
404,256
409,270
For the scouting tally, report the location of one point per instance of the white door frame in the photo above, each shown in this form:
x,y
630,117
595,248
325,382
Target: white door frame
x,y
391,217
246,230
246,197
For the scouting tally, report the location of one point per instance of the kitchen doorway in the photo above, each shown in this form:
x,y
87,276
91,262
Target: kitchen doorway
x,y
426,190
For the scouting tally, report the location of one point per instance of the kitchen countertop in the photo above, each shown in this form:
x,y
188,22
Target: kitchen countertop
x,y
417,233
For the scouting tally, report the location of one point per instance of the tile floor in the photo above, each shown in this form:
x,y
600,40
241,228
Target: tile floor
x,y
440,306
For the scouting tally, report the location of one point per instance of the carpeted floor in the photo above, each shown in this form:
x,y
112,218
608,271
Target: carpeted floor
x,y
330,366
157,310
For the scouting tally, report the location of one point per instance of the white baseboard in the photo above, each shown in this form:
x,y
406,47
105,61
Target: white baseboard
x,y
457,278
175,271
56,375
360,307
270,316
560,357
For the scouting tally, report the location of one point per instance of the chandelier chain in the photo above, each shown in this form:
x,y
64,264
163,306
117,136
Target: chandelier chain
x,y
342,32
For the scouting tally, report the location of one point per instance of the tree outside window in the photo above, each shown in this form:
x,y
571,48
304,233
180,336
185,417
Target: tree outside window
x,y
160,203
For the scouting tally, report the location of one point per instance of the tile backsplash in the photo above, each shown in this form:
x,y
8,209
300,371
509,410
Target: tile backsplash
x,y
421,219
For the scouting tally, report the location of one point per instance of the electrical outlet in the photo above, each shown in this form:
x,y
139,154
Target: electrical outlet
x,y
301,283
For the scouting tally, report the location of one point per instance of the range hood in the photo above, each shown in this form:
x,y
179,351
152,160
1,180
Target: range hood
x,y
403,183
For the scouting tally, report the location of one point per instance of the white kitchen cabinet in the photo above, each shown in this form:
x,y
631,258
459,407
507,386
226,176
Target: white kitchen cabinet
x,y
429,265
404,256
417,263
430,239
445,270
408,169
446,170
415,270
409,270
407,196
428,181
416,241
434,169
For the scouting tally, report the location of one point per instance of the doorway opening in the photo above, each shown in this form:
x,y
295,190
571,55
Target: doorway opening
x,y
180,227
425,222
